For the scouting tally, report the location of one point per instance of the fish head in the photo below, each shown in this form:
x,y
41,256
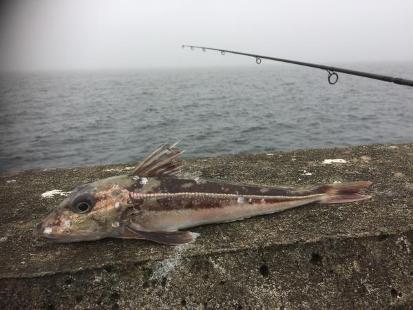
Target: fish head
x,y
92,211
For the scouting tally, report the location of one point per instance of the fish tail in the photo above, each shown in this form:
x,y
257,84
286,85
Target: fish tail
x,y
345,192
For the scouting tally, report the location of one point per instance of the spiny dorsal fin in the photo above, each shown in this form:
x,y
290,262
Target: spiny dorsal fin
x,y
162,161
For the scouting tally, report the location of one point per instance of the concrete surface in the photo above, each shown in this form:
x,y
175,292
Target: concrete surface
x,y
355,255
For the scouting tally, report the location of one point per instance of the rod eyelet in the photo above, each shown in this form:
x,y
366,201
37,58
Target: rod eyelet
x,y
332,77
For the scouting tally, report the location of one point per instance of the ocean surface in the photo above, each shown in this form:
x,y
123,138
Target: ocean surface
x,y
65,119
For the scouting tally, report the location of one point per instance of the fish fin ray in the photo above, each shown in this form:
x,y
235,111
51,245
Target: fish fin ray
x,y
345,192
162,237
162,161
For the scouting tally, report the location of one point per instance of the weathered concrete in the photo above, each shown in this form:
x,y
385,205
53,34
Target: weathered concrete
x,y
348,256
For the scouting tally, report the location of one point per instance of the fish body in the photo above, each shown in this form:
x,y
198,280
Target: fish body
x,y
152,204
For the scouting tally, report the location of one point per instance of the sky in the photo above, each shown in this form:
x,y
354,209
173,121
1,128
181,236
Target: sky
x,y
131,34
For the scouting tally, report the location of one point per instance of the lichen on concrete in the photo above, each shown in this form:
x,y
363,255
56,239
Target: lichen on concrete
x,y
355,255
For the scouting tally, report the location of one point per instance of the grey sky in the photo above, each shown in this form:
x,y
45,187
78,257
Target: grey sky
x,y
102,34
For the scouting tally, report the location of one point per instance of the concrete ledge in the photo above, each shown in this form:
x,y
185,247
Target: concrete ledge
x,y
350,255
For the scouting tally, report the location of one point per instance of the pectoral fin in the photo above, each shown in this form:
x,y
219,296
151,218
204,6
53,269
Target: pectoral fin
x,y
163,237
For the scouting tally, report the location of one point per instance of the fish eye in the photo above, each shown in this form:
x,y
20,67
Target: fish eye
x,y
83,203
83,207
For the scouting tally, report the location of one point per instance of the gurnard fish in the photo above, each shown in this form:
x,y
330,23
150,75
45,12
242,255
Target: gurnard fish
x,y
152,203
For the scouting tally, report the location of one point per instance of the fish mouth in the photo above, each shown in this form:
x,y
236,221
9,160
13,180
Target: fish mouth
x,y
39,230
45,231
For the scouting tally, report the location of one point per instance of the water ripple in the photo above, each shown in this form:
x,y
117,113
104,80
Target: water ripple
x,y
79,118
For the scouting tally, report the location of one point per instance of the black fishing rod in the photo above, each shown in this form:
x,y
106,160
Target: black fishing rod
x,y
332,71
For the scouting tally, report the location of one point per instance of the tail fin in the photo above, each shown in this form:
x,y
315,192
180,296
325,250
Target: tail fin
x,y
345,192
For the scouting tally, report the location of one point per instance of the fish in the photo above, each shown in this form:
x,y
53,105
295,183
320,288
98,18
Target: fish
x,y
153,203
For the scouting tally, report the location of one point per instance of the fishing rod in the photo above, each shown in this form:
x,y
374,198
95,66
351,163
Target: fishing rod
x,y
332,71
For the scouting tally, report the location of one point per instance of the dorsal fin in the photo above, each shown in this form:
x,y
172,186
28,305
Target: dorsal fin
x,y
162,161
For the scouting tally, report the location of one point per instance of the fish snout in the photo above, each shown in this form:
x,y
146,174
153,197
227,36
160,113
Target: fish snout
x,y
45,227
42,230
38,230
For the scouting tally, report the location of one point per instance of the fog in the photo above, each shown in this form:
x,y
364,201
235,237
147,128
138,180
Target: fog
x,y
123,34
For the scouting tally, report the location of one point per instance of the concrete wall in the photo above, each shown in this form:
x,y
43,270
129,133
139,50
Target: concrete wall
x,y
355,255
